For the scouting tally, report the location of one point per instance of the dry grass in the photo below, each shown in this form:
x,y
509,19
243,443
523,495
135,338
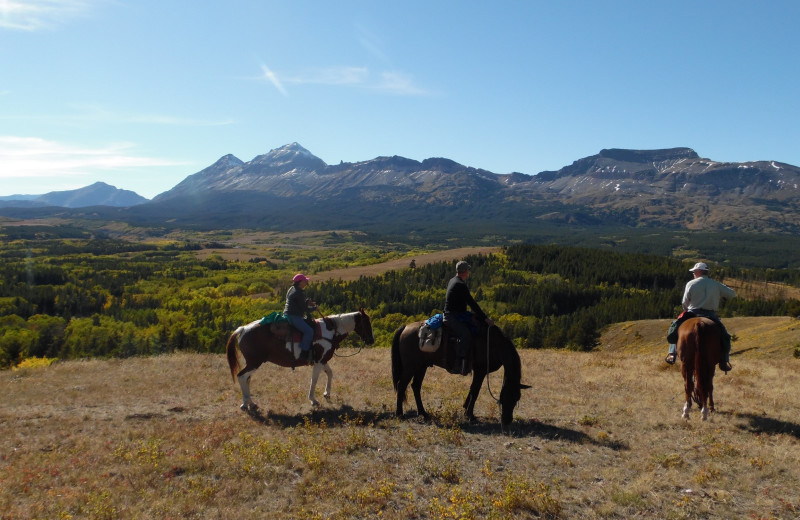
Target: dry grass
x,y
599,436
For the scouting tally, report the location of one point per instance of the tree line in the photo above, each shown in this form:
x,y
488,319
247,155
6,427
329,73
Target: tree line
x,y
87,297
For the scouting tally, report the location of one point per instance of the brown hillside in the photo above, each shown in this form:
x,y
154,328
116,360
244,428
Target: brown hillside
x,y
771,336
354,273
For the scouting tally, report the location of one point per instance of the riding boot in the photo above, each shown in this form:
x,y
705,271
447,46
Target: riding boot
x,y
725,362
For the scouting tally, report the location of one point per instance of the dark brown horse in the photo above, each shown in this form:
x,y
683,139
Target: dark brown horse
x,y
409,365
258,344
700,349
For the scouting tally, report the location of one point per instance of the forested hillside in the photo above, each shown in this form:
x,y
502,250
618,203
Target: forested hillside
x,y
83,297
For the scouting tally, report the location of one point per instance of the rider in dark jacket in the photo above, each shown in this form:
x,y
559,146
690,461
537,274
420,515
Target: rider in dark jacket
x,y
458,318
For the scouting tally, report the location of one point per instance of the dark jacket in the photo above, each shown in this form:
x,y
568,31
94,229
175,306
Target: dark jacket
x,y
458,298
295,302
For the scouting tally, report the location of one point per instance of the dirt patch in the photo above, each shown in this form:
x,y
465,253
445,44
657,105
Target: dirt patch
x,y
354,273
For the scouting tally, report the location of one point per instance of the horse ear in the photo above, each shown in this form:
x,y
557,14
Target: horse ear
x,y
524,387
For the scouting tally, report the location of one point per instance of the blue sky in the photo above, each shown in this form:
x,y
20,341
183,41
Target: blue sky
x,y
140,94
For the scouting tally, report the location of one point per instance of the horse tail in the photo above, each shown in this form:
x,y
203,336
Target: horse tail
x,y
706,357
397,362
233,359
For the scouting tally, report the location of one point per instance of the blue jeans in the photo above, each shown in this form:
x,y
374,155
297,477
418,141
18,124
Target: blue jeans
x,y
308,333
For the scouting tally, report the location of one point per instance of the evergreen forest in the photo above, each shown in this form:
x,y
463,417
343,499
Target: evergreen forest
x,y
72,295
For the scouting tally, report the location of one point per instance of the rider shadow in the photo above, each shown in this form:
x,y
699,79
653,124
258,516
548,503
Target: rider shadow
x,y
768,425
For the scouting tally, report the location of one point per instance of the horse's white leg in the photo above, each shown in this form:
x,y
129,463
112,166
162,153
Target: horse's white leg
x,y
329,373
704,413
247,401
314,377
686,409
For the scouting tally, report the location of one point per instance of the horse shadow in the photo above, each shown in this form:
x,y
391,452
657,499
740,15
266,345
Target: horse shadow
x,y
768,425
534,428
346,415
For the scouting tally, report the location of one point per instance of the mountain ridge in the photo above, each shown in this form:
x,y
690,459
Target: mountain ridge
x,y
673,187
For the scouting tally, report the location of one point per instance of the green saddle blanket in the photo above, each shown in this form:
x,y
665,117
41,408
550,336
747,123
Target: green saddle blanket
x,y
274,317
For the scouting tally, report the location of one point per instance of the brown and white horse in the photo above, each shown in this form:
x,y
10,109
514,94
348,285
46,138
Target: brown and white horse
x,y
700,350
258,344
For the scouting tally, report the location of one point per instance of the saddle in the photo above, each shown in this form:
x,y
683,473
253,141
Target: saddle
x,y
431,339
297,336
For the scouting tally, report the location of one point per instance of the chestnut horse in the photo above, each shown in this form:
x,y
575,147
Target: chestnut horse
x,y
258,344
700,349
409,365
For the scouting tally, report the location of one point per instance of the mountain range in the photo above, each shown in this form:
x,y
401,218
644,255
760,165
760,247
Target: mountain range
x,y
291,188
97,194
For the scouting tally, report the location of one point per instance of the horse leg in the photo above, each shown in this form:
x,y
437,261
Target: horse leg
x,y
472,396
244,382
314,377
416,386
402,386
688,390
329,374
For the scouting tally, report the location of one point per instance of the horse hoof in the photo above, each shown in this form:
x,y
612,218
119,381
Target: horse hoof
x,y
314,403
327,396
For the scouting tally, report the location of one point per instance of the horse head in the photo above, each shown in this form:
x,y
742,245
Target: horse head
x,y
511,392
364,327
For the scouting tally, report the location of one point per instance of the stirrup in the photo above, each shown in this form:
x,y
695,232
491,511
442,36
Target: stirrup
x,y
671,358
725,366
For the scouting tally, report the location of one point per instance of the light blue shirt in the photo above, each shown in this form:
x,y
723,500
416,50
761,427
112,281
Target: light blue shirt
x,y
705,293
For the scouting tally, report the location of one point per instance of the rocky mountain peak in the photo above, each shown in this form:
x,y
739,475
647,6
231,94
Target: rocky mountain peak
x,y
648,156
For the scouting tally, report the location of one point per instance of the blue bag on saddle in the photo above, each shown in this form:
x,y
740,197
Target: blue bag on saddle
x,y
435,321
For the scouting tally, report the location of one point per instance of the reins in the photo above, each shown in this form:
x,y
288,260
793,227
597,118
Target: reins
x,y
488,385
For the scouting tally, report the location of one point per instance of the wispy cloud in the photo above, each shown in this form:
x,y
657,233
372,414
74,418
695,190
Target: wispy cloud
x,y
272,78
26,157
32,15
399,83
370,42
396,83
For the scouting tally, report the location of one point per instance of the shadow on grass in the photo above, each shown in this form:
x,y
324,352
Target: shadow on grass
x,y
349,416
768,425
534,428
345,415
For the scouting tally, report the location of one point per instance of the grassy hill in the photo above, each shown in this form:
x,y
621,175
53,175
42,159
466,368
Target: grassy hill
x,y
773,337
598,436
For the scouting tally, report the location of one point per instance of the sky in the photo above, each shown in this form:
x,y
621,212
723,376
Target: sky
x,y
140,94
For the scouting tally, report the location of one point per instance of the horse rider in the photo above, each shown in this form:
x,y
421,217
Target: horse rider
x,y
458,318
701,297
297,305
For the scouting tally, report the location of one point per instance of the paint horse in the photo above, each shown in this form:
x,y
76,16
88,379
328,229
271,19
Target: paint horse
x,y
259,343
700,350
409,364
